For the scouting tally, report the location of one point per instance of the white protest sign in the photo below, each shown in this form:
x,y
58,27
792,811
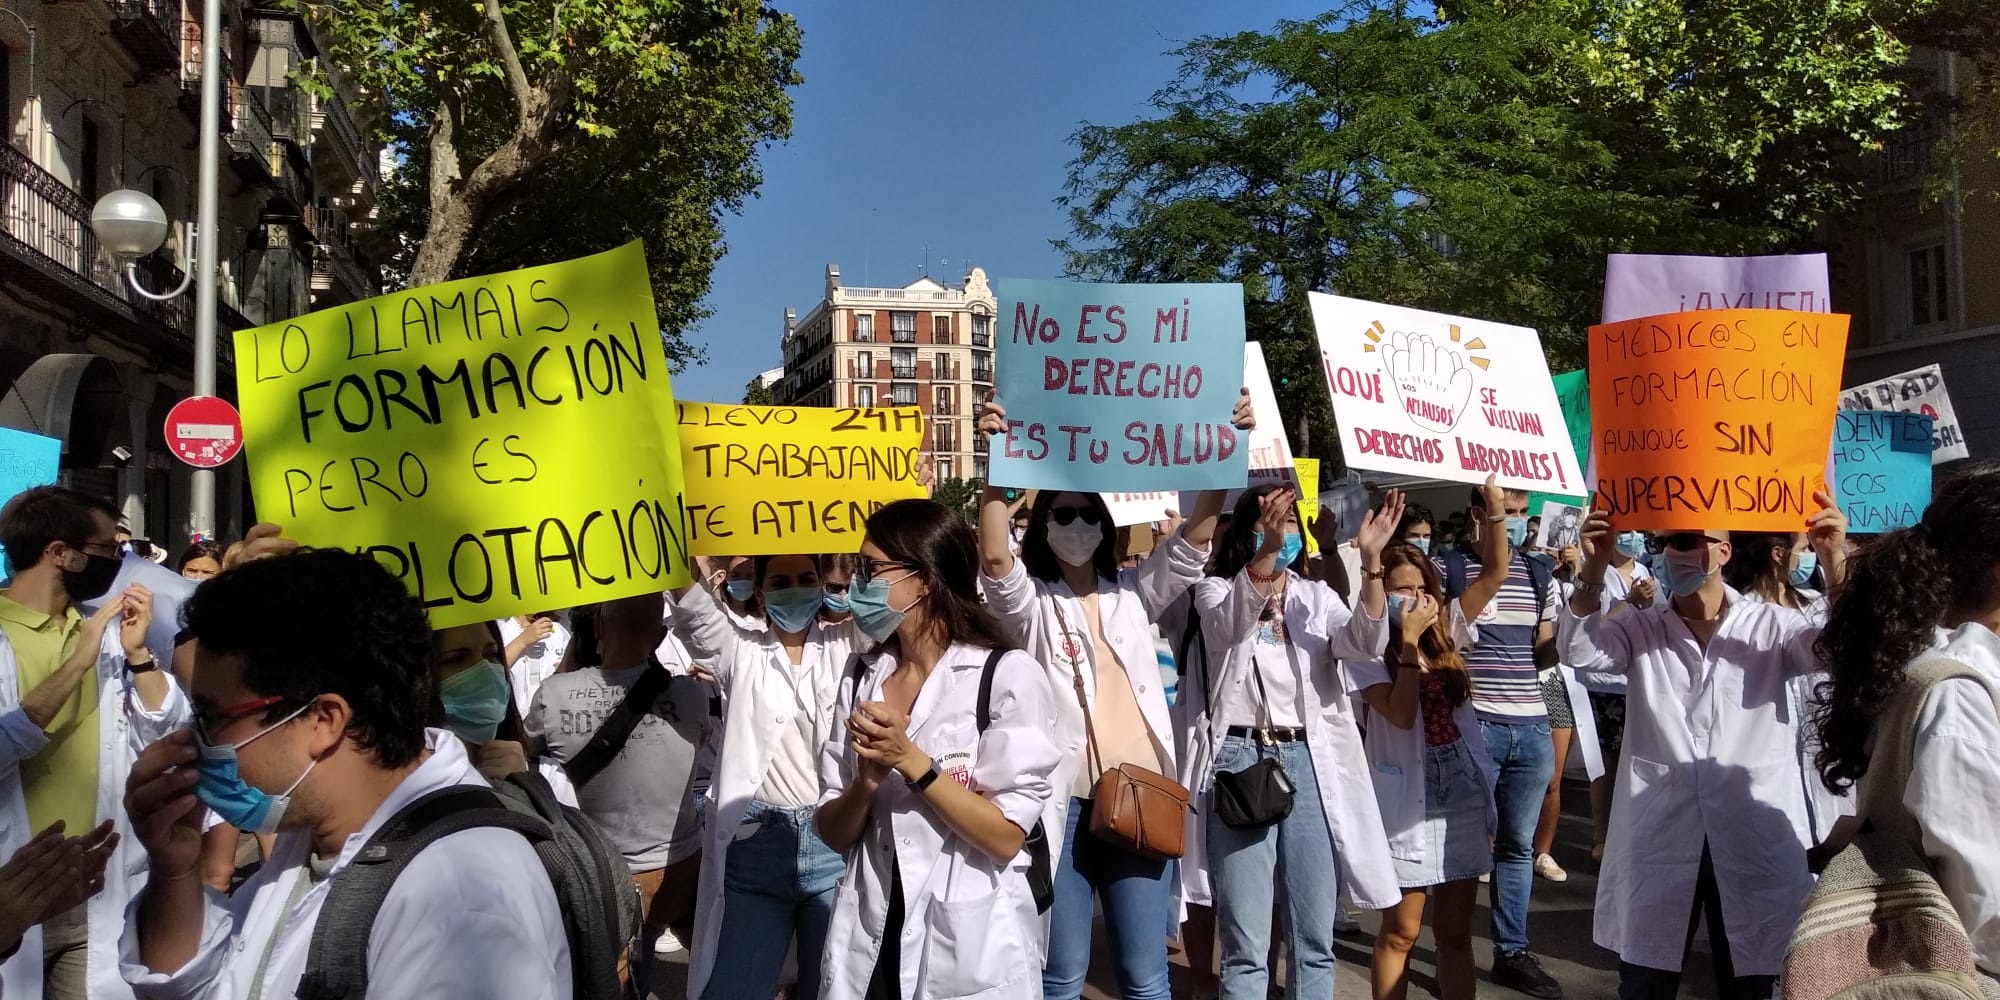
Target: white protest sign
x,y
1141,508
1637,285
1921,391
1270,449
1444,397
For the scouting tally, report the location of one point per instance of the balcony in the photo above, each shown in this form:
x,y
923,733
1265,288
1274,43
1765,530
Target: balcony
x,y
944,442
190,96
292,191
944,373
943,409
339,263
1907,155
982,374
979,444
151,31
334,124
981,338
908,371
905,336
250,138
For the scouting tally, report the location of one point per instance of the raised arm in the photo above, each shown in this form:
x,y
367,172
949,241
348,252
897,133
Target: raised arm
x,y
1199,528
996,551
1827,532
1589,641
1398,700
1494,564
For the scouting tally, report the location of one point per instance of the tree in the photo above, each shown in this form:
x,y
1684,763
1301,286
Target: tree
x,y
961,495
526,133
1484,160
756,393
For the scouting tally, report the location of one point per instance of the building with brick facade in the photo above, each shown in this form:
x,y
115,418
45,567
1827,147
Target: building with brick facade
x,y
927,344
97,95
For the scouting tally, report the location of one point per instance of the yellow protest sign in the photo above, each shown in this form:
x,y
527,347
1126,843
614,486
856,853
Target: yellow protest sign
x,y
503,444
772,480
1308,471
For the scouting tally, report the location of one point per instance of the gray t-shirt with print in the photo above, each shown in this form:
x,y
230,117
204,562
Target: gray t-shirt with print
x,y
644,798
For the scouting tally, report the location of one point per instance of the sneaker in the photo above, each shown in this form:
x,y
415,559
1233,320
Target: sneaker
x,y
1485,877
1344,922
669,944
1520,971
1546,867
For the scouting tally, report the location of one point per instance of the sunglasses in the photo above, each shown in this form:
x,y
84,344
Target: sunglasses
x,y
1680,541
1067,516
835,588
206,723
867,569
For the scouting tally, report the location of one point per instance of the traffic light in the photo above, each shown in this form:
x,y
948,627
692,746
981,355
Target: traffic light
x,y
1013,495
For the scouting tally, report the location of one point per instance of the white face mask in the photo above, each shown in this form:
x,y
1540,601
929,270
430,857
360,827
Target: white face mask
x,y
1075,543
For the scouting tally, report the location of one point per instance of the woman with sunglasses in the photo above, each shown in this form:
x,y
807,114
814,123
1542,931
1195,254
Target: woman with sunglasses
x,y
1708,819
1091,625
767,879
836,579
942,773
1274,717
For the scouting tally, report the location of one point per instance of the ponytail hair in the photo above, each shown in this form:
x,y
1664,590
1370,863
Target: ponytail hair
x,y
1885,615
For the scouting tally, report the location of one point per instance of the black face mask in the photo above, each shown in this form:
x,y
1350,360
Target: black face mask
x,y
90,582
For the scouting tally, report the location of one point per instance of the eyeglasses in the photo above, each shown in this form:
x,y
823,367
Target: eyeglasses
x,y
107,549
206,723
1067,516
1679,541
835,588
866,569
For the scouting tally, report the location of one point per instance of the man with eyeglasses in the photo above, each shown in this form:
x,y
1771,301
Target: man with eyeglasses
x,y
312,689
78,699
1708,823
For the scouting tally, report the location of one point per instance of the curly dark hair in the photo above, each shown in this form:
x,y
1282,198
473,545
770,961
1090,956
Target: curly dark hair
x,y
202,548
937,543
1414,515
325,621
1897,591
1040,559
1238,545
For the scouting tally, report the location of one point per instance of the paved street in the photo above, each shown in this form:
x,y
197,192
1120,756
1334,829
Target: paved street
x,y
1560,927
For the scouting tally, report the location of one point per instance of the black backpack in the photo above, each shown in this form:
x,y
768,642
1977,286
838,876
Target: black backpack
x,y
1041,882
600,904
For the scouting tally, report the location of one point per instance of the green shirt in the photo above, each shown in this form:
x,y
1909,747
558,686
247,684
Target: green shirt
x,y
60,782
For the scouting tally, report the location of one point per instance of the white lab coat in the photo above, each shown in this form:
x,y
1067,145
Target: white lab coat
x,y
1615,589
1396,755
536,663
969,928
1126,611
473,917
1584,748
1322,630
124,727
1954,789
755,676
1709,756
1823,808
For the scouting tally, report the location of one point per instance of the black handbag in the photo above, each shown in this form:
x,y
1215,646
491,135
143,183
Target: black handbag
x,y
1258,795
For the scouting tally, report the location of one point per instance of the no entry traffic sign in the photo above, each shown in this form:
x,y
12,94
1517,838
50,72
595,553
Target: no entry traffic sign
x,y
204,431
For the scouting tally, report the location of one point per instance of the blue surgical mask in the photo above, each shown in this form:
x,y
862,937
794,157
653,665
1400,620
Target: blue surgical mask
x,y
872,613
1517,531
1632,543
837,603
1803,572
1678,577
793,608
739,590
1398,603
1288,553
1422,543
222,789
475,702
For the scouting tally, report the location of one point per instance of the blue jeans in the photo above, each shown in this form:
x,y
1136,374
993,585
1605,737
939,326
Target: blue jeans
x,y
1135,891
1244,866
778,883
1525,758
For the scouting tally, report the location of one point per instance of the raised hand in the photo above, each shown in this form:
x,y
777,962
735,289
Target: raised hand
x,y
1380,524
1430,379
992,416
1244,416
1419,616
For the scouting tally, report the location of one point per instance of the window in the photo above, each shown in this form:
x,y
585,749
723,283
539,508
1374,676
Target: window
x,y
941,329
979,469
945,438
982,331
1930,289
944,470
864,395
903,325
864,326
903,394
982,366
864,364
941,366
86,172
943,394
903,362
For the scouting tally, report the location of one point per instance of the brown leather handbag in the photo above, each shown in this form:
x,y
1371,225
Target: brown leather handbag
x,y
1134,808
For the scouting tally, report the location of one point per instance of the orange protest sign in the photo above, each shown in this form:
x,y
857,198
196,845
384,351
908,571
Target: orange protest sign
x,y
1718,419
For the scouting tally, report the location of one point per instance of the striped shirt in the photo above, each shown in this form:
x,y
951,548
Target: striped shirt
x,y
1506,687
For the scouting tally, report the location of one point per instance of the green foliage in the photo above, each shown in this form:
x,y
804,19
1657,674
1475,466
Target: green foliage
x,y
1484,161
961,495
528,132
756,393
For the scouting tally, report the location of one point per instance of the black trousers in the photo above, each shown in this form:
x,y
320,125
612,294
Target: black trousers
x,y
1637,982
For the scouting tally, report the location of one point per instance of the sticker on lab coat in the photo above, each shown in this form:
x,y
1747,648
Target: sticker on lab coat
x,y
957,766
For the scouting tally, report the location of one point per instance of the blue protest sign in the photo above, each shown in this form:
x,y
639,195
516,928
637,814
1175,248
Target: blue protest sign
x,y
1120,388
1882,460
26,460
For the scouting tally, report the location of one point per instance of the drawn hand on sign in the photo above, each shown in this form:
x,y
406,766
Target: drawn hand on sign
x,y
1431,380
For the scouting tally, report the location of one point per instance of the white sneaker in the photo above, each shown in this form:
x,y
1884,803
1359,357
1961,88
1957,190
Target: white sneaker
x,y
669,944
1485,878
1546,867
1344,922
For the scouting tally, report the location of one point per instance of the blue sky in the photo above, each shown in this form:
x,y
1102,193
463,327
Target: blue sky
x,y
934,123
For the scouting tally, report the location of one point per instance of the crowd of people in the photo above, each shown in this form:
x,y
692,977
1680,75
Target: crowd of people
x,y
935,766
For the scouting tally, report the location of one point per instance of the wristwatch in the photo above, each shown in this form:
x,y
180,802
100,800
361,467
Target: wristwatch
x,y
150,663
920,784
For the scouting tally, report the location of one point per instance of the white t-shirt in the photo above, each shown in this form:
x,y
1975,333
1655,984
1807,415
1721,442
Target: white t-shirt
x,y
1277,666
536,663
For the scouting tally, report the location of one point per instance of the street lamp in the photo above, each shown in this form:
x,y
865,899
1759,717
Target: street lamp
x,y
131,225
